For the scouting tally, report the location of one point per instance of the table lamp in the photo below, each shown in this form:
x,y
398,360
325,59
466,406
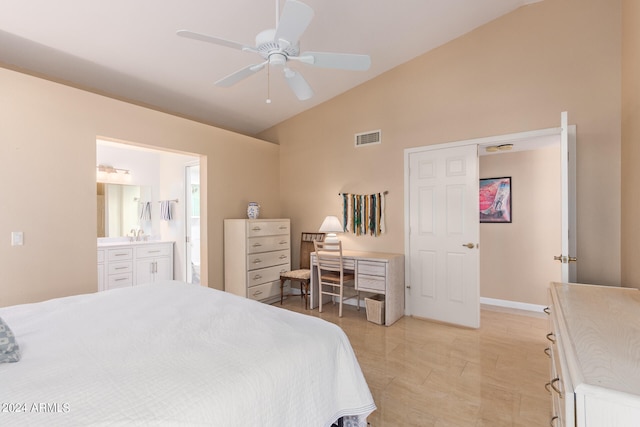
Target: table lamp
x,y
331,225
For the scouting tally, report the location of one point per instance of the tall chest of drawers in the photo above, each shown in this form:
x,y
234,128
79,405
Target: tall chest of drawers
x,y
256,251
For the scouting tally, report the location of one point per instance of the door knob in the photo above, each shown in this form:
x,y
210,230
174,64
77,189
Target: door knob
x,y
469,245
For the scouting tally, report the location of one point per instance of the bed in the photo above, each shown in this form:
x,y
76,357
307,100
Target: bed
x,y
172,353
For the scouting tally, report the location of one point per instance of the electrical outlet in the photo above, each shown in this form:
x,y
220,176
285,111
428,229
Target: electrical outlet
x,y
17,238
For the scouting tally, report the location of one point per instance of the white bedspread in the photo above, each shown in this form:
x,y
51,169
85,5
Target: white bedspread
x,y
176,354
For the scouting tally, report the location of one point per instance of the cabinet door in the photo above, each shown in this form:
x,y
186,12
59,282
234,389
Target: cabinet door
x,y
144,271
164,269
101,277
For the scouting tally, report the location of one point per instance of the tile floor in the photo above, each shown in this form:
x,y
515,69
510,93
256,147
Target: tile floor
x,y
424,373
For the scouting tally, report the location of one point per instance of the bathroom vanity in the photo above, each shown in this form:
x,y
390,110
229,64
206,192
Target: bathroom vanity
x,y
130,264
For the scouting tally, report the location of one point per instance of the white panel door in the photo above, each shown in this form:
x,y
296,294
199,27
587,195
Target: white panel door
x,y
444,234
568,256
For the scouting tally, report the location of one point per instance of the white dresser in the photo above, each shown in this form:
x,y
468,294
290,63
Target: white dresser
x,y
594,347
131,264
256,251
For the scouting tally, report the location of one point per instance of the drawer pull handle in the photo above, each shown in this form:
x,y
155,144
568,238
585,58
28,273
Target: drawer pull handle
x,y
257,261
283,242
256,228
546,310
547,351
283,227
121,268
154,252
257,276
256,245
256,293
283,257
551,337
552,384
121,254
552,423
120,280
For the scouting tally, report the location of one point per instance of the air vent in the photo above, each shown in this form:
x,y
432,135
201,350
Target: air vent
x,y
369,138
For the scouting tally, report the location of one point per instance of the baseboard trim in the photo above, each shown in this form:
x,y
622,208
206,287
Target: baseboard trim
x,y
512,304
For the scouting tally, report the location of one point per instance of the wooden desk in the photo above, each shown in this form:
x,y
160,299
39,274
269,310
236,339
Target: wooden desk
x,y
376,272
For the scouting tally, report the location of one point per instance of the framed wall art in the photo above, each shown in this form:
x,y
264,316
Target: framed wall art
x,y
495,200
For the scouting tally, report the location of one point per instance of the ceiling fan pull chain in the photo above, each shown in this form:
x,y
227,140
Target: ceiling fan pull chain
x,y
268,83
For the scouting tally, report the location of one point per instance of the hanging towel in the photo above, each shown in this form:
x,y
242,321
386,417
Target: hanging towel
x,y
145,211
165,210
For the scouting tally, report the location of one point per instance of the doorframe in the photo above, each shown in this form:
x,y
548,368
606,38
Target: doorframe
x,y
480,142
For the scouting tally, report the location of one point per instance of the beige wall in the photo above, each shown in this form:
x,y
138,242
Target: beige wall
x,y
630,142
512,75
47,181
516,259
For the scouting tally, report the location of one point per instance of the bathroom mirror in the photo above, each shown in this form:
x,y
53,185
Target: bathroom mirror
x,y
119,208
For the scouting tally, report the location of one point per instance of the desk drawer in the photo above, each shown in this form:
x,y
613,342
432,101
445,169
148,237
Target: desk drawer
x,y
267,259
372,268
371,283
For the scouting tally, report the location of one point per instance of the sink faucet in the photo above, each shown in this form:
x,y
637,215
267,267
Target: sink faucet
x,y
139,235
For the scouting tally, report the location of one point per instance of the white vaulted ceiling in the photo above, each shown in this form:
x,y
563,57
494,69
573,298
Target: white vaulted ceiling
x,y
128,49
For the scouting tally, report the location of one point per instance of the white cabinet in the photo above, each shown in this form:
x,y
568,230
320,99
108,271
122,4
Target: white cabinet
x,y
101,272
134,264
153,263
256,251
593,350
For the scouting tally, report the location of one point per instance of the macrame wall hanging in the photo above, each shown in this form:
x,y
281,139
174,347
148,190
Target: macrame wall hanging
x,y
363,214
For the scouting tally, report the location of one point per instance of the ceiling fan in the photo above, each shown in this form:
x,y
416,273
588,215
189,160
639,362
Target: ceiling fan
x,y
280,45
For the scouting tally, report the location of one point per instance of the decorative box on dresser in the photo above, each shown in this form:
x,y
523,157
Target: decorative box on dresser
x,y
256,251
595,355
130,264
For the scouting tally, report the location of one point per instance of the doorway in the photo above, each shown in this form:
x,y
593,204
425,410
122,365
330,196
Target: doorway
x,y
416,289
161,174
192,222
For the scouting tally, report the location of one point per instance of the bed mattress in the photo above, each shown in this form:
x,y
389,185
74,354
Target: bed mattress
x,y
172,353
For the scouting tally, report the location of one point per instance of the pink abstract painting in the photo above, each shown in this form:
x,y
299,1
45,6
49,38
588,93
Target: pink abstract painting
x,y
495,199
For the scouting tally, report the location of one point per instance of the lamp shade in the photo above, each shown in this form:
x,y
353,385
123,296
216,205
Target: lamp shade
x,y
331,224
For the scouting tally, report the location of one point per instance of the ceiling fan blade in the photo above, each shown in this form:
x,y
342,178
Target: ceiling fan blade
x,y
295,18
298,84
215,40
241,74
341,61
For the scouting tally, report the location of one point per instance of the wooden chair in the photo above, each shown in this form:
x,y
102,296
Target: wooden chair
x,y
331,274
303,274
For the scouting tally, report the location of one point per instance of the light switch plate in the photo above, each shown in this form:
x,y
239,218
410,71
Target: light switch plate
x,y
17,238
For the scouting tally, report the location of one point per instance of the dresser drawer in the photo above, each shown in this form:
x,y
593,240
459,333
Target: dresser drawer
x,y
372,268
268,244
267,259
267,228
372,283
263,291
120,267
123,254
119,280
257,277
148,251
